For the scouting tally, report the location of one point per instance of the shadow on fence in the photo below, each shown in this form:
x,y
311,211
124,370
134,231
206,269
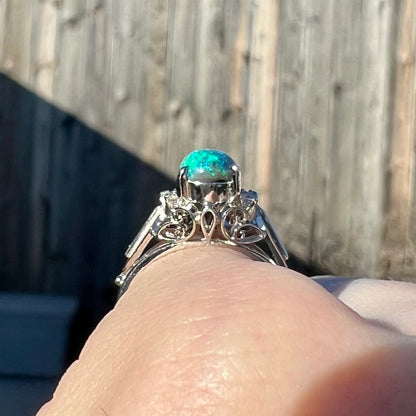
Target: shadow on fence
x,y
70,202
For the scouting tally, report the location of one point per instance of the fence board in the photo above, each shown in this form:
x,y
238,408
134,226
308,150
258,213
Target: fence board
x,y
314,98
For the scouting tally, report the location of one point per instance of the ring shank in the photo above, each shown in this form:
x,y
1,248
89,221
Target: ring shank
x,y
161,249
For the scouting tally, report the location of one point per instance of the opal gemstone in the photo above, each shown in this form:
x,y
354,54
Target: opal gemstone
x,y
207,165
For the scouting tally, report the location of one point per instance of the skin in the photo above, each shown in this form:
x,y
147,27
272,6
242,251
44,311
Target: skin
x,y
207,331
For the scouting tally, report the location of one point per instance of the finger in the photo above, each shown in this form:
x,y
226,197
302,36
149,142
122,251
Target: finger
x,y
389,303
207,331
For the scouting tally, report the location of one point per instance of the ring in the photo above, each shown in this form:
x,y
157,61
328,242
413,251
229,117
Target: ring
x,y
207,207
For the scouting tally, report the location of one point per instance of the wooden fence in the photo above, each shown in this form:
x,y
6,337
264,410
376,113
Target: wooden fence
x,y
314,98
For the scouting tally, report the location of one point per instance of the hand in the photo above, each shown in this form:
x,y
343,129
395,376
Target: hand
x,y
207,331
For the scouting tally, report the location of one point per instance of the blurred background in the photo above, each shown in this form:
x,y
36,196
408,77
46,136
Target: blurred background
x,y
101,99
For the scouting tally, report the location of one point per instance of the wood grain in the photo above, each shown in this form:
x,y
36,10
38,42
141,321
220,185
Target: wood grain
x,y
398,252
315,99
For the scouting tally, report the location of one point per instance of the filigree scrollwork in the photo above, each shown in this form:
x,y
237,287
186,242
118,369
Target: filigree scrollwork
x,y
180,226
246,234
232,217
236,227
232,222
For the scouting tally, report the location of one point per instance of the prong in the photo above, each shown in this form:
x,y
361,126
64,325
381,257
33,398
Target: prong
x,y
182,183
236,178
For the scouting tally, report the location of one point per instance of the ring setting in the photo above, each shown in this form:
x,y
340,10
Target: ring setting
x,y
208,206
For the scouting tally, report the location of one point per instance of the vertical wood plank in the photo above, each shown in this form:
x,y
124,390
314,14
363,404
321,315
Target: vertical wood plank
x,y
3,13
97,63
16,39
128,75
261,91
69,80
152,144
313,136
371,136
43,35
182,35
288,118
399,244
238,48
345,55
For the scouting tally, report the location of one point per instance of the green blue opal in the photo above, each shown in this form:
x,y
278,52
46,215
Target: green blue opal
x,y
208,165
